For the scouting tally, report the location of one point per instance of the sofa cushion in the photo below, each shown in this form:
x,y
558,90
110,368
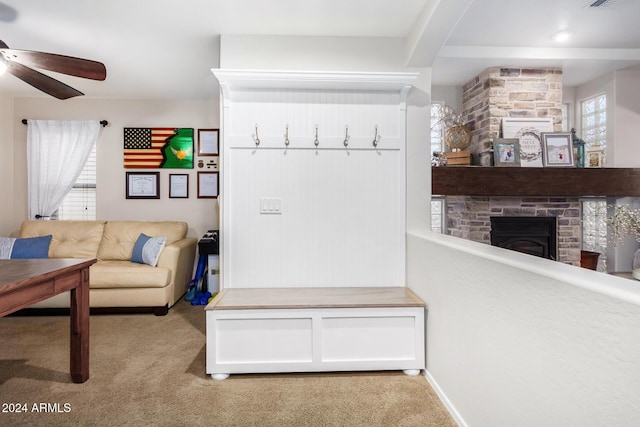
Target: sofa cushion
x,y
127,274
31,247
22,248
147,249
120,236
71,239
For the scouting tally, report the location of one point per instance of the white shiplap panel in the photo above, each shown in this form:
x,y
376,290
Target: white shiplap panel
x,y
338,226
343,209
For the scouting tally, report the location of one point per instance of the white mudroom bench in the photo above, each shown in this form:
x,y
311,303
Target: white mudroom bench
x,y
314,329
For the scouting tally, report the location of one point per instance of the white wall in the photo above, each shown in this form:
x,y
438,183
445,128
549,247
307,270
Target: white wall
x,y
200,214
312,53
626,119
449,95
516,340
418,173
7,190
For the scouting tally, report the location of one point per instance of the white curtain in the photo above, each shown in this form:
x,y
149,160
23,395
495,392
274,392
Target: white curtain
x,y
57,151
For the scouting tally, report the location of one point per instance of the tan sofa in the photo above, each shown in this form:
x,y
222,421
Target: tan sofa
x,y
114,280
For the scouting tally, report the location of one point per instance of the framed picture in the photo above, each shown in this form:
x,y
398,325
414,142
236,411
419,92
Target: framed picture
x,y
528,132
558,149
595,156
506,152
143,185
178,186
207,185
208,140
158,148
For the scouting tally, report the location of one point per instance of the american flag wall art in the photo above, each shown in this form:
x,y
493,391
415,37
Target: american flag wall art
x,y
154,148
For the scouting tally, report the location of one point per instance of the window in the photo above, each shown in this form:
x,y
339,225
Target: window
x,y
438,205
594,229
437,127
565,118
80,203
594,121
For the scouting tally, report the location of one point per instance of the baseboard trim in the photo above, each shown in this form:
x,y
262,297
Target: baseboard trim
x,y
445,400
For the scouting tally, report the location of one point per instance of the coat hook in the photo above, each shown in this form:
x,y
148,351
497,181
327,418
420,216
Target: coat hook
x,y
315,141
257,140
286,135
376,138
346,136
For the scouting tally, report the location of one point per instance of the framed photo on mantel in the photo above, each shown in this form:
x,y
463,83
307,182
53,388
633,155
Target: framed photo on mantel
x,y
528,132
558,149
506,152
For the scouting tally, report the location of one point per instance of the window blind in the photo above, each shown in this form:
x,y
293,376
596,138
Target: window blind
x,y
80,203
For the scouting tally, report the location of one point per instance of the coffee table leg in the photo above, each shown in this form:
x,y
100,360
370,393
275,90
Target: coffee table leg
x,y
80,330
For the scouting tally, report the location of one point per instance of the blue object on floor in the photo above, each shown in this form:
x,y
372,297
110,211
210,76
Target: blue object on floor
x,y
192,291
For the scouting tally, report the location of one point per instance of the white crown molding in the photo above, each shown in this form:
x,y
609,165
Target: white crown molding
x,y
231,80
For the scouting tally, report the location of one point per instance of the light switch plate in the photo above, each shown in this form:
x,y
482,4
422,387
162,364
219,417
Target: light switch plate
x,y
270,206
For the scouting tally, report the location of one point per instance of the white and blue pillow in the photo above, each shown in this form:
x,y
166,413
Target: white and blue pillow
x,y
23,248
147,249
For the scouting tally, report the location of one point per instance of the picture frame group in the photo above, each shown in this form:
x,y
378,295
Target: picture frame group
x,y
146,185
556,149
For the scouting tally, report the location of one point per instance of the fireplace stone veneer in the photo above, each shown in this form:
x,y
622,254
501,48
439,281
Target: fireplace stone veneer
x,y
470,218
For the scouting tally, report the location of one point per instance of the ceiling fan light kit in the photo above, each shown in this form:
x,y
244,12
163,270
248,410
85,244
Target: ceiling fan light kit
x,y
20,63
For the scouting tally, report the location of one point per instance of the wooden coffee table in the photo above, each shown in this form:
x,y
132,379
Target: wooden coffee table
x,y
24,282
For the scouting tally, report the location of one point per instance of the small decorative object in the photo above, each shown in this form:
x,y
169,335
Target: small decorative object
x,y
595,155
456,136
506,152
143,185
557,149
528,132
578,149
625,221
438,159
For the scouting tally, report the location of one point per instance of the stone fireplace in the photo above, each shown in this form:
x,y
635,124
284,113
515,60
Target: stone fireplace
x,y
508,92
523,93
470,218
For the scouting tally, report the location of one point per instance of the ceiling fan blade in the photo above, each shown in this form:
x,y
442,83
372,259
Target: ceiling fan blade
x,y
7,13
69,65
41,81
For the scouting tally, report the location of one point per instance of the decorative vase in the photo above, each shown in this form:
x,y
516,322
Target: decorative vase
x,y
635,272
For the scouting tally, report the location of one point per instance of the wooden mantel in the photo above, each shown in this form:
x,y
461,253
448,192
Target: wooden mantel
x,y
506,181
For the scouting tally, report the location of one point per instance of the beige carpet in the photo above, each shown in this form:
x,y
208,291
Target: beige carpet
x,y
148,370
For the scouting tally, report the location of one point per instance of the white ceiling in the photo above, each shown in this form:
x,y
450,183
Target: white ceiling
x,y
166,48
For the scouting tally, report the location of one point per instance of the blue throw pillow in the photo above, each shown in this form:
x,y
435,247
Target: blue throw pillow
x,y
147,249
31,247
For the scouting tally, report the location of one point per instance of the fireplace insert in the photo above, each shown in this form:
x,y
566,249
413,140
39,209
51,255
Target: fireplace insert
x,y
530,235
